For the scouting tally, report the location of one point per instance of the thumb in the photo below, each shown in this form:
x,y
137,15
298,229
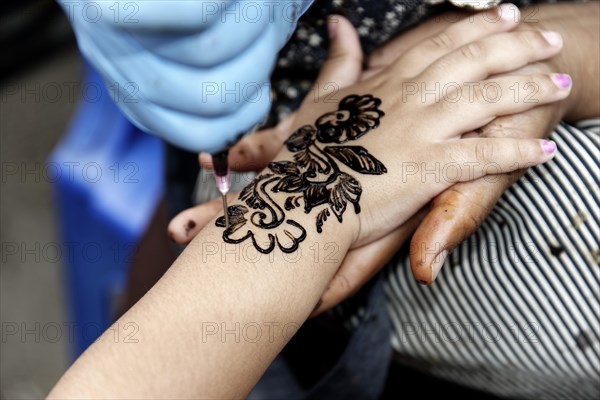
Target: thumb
x,y
455,215
344,63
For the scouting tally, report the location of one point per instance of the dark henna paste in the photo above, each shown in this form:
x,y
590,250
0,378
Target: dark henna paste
x,y
313,177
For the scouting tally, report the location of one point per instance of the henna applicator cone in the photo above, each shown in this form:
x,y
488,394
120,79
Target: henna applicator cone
x,y
222,179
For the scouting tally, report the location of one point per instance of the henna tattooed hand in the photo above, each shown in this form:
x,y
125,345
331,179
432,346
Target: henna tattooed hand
x,y
312,179
415,131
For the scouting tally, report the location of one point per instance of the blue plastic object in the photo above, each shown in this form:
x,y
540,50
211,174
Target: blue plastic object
x,y
198,71
108,179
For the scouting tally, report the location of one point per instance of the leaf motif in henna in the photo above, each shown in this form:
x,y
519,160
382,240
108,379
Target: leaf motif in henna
x,y
357,158
236,218
250,194
315,195
284,168
321,218
346,189
292,202
310,162
290,184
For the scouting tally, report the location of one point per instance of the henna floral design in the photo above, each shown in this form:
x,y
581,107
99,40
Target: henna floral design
x,y
313,178
356,115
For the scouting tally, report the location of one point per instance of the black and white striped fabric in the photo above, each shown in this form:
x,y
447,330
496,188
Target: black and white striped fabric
x,y
515,308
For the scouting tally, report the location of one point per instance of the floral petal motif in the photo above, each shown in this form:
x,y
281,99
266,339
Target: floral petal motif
x,y
301,139
234,233
236,218
356,115
295,236
268,245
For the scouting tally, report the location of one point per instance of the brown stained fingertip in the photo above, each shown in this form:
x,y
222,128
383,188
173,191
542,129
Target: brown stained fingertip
x,y
189,226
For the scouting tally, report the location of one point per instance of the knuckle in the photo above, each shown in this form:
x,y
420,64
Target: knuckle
x,y
484,152
535,88
475,218
442,41
478,94
343,284
473,51
532,40
521,151
449,107
526,151
543,85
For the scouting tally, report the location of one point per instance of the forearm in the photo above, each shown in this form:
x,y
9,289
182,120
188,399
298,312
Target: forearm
x,y
214,322
579,25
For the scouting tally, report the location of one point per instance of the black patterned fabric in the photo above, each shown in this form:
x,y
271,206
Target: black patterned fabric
x,y
376,21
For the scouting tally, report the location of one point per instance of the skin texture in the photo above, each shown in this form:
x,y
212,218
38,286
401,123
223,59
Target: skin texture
x,y
456,213
221,286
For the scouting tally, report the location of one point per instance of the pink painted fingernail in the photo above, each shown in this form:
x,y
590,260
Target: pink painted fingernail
x,y
554,38
563,81
549,146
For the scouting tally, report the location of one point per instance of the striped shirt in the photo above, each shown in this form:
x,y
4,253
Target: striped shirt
x,y
514,311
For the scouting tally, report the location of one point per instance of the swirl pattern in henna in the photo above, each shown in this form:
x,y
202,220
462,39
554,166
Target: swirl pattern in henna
x,y
314,178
